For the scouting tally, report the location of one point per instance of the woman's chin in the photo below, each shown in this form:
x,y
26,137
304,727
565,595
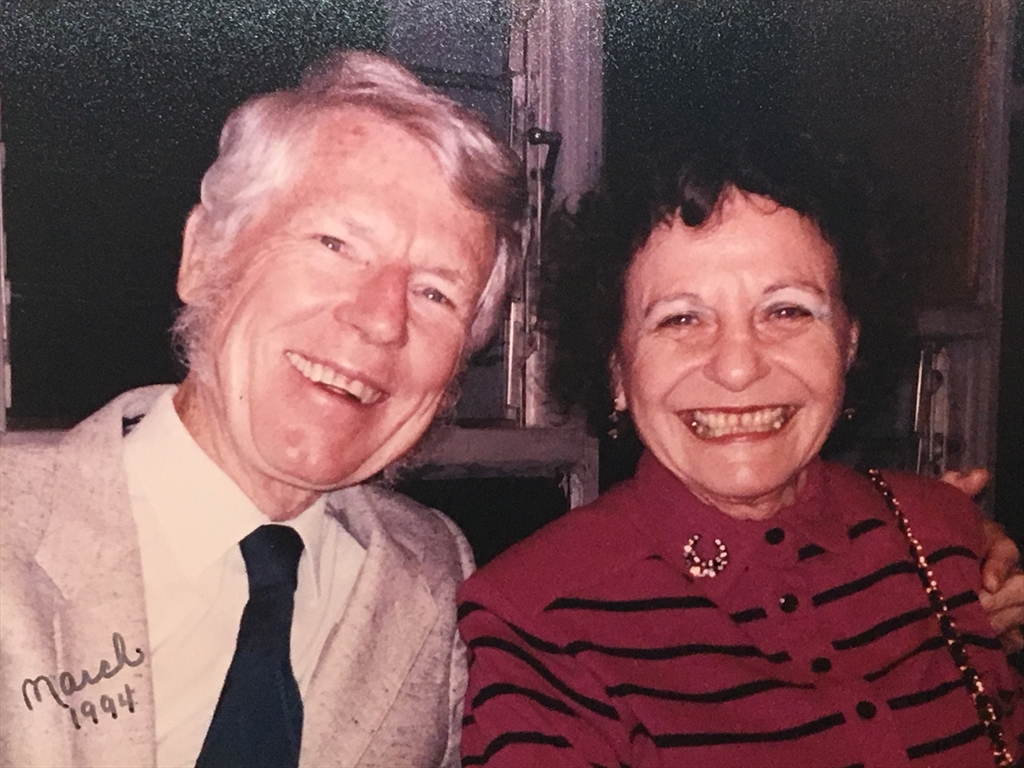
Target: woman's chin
x,y
750,498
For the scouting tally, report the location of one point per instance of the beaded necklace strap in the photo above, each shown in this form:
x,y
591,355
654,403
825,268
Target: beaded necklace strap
x,y
983,703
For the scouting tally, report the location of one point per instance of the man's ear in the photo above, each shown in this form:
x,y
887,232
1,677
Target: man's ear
x,y
618,391
193,259
853,336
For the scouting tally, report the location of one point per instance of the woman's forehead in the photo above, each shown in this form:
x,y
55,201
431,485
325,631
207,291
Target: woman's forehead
x,y
743,228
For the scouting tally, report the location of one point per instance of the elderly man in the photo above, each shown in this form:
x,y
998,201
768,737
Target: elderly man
x,y
349,250
181,582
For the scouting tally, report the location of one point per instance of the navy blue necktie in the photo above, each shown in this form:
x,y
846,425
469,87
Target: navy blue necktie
x,y
258,720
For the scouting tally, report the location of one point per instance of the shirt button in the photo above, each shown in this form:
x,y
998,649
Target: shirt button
x,y
788,602
866,709
821,664
774,535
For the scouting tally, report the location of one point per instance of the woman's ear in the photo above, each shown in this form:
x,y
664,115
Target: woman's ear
x,y
853,336
618,391
193,258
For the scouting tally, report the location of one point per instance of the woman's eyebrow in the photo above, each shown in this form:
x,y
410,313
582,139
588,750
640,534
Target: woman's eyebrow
x,y
686,296
799,285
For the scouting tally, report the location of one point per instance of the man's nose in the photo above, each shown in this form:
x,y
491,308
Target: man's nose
x,y
380,308
736,357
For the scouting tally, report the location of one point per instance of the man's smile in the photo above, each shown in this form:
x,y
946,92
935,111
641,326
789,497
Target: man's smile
x,y
333,379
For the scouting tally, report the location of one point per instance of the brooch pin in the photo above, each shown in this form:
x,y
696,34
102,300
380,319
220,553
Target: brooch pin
x,y
700,567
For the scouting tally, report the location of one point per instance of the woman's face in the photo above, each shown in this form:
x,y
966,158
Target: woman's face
x,y
733,351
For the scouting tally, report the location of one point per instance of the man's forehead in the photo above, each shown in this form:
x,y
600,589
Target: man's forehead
x,y
347,128
370,162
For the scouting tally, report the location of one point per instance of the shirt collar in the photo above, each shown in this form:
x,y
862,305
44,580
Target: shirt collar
x,y
200,511
672,514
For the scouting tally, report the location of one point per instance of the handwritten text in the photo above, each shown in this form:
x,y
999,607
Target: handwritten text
x,y
66,682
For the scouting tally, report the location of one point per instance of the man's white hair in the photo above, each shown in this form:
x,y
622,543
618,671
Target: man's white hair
x,y
257,155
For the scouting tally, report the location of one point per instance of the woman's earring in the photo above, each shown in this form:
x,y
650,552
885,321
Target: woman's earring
x,y
615,417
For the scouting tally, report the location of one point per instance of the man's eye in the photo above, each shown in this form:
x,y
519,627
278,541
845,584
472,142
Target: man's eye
x,y
436,296
332,243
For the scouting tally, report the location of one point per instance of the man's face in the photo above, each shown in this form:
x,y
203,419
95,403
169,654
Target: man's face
x,y
333,349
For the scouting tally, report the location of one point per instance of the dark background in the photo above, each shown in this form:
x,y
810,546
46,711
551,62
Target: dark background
x,y
111,113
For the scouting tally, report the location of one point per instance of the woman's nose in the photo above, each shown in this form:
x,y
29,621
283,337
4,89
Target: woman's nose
x,y
379,310
736,358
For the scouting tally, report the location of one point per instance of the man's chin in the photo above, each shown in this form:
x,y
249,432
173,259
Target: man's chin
x,y
308,457
329,475
306,478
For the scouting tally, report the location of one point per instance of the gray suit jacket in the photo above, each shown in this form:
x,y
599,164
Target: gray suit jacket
x,y
387,690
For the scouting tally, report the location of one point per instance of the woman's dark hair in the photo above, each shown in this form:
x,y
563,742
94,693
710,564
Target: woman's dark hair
x,y
588,252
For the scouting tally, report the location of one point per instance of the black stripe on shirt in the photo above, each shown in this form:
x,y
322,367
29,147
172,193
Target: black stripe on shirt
x,y
809,551
965,597
733,693
883,628
489,692
954,550
497,643
467,608
992,643
639,730
515,737
928,645
750,614
661,653
858,585
679,651
931,644
629,606
668,740
859,529
923,697
945,744
898,622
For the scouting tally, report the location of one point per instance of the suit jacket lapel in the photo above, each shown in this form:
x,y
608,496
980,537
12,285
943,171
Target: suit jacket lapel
x,y
369,656
90,551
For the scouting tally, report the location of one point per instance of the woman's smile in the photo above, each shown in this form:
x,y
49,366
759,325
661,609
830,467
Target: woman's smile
x,y
738,423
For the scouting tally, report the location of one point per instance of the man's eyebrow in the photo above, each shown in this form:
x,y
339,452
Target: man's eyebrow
x,y
353,227
451,274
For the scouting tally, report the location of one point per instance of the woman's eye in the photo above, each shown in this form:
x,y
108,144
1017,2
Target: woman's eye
x,y
789,312
680,320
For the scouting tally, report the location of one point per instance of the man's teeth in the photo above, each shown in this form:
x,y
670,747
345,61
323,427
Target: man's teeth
x,y
712,424
332,379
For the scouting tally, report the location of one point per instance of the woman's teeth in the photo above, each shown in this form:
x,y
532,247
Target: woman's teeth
x,y
332,379
709,424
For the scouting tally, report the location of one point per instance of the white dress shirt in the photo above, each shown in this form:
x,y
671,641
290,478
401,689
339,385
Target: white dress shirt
x,y
190,517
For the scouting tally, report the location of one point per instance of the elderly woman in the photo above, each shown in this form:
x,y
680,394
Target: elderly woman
x,y
739,601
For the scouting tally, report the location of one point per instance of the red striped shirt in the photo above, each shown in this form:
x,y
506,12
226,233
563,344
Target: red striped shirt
x,y
590,644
